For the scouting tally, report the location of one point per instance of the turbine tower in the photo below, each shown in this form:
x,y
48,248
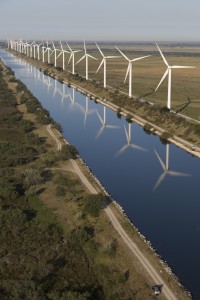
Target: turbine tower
x,y
129,143
129,69
72,57
169,73
103,62
165,167
86,56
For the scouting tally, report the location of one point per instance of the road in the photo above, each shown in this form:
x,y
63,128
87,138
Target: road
x,y
148,267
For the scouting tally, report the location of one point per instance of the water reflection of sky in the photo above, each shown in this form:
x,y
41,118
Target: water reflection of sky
x,y
129,163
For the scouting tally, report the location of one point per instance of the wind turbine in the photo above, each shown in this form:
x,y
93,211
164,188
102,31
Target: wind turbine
x,y
103,62
104,123
129,69
72,57
169,73
38,50
48,49
129,142
63,54
31,49
55,55
86,56
165,167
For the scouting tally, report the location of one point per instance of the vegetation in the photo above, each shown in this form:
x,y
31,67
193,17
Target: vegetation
x,y
71,252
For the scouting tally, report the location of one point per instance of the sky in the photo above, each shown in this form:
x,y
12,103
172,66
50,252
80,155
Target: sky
x,y
117,20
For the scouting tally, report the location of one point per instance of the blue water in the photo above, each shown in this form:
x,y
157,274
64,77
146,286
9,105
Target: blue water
x,y
167,214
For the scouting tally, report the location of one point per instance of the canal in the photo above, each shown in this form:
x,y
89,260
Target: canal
x,y
156,184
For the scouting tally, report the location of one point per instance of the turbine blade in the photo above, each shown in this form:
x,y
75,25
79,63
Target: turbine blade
x,y
165,74
126,133
138,147
84,47
122,54
100,50
69,47
164,59
80,59
121,150
100,118
112,126
160,160
174,173
99,132
128,69
112,56
100,65
160,179
70,58
88,55
182,67
139,58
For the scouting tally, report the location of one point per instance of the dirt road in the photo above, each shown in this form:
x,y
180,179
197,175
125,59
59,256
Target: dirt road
x,y
148,267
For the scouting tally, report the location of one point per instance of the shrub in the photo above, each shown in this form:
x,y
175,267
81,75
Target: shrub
x,y
93,204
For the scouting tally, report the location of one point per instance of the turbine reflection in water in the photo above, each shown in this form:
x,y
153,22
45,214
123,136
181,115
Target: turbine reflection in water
x,y
129,143
104,124
165,167
85,110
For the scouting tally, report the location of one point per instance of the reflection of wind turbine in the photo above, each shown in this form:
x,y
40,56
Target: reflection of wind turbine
x,y
86,56
166,168
129,69
63,94
103,62
169,73
86,111
104,123
72,57
129,143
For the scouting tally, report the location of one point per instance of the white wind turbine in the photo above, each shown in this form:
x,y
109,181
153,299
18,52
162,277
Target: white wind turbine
x,y
72,57
104,123
55,54
63,55
129,143
169,73
86,56
129,69
31,49
165,167
103,62
47,49
38,50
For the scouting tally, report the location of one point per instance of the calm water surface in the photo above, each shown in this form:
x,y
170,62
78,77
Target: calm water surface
x,y
156,184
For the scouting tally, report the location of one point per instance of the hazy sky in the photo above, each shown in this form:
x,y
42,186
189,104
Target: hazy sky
x,y
134,20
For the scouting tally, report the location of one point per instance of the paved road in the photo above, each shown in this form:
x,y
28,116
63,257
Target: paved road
x,y
148,267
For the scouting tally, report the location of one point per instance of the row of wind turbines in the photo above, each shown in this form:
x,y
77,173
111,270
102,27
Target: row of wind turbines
x,y
30,49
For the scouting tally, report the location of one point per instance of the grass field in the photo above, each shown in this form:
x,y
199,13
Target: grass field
x,y
147,73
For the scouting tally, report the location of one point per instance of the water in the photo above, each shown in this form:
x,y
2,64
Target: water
x,y
132,166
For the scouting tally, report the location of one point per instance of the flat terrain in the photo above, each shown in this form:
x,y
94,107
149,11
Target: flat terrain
x,y
111,269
